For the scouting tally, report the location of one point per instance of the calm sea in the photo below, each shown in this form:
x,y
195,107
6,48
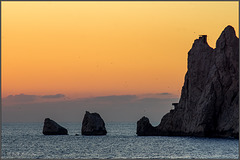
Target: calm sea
x,y
25,140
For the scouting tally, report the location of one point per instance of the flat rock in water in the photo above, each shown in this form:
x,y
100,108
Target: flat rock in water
x,y
93,124
52,128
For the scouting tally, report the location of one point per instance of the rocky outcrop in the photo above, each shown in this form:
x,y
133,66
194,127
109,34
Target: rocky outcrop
x,y
93,124
209,102
144,128
52,128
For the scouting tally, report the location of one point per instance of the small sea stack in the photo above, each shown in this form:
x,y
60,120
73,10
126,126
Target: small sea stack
x,y
93,124
144,127
52,128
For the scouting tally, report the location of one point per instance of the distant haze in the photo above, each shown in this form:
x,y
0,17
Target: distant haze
x,y
123,108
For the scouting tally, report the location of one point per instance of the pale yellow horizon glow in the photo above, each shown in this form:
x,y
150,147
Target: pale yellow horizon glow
x,y
84,49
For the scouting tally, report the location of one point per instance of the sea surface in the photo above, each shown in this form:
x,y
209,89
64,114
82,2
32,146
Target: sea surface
x,y
25,140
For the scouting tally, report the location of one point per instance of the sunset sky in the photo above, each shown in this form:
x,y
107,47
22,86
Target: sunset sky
x,y
91,49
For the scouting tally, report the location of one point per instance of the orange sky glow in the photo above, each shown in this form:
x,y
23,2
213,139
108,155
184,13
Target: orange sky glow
x,y
84,49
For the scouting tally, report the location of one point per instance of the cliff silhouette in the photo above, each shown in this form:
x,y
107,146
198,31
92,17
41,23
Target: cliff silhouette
x,y
209,102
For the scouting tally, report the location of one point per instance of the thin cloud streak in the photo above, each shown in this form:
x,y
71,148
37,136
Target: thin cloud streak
x,y
26,99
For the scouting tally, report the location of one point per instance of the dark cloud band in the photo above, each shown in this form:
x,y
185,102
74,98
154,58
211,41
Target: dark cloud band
x,y
53,96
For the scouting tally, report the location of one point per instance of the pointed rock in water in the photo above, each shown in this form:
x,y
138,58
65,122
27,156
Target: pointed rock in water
x,y
144,128
209,102
93,124
52,128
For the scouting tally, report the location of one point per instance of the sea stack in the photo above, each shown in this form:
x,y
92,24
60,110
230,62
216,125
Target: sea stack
x,y
144,127
93,124
52,128
209,102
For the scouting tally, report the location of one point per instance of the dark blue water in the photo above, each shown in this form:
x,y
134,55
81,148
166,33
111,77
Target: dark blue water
x,y
25,140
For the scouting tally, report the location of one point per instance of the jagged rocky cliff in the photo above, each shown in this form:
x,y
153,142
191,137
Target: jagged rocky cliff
x,y
209,102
